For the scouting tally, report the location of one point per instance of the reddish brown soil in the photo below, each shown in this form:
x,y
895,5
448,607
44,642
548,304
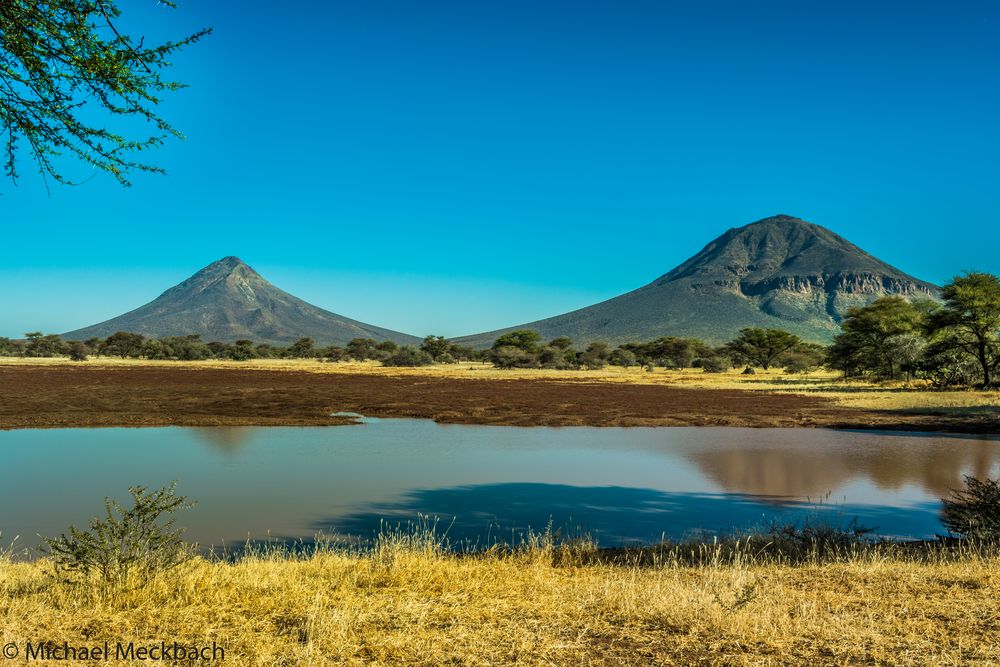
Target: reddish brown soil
x,y
62,396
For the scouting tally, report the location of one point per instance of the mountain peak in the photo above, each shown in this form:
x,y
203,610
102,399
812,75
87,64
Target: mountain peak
x,y
228,300
780,217
227,268
230,261
779,272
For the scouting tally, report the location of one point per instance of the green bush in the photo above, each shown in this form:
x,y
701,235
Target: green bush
x,y
77,351
407,355
126,543
715,364
508,356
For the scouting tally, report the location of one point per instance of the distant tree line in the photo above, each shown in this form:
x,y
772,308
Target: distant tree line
x,y
763,348
952,342
128,345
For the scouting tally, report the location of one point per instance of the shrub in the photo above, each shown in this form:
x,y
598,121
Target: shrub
x,y
622,357
523,339
126,542
508,356
77,351
974,511
715,364
596,356
407,355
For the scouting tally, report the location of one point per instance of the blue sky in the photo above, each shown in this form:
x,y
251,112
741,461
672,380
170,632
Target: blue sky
x,y
453,167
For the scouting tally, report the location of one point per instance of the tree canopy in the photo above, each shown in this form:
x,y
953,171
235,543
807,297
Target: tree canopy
x,y
64,68
883,337
522,339
762,346
969,321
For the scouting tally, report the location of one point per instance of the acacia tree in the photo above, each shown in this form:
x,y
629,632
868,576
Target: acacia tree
x,y
881,337
64,64
522,339
761,347
970,319
123,344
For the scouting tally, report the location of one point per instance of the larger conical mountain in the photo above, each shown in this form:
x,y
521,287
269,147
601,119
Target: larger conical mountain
x,y
780,272
227,301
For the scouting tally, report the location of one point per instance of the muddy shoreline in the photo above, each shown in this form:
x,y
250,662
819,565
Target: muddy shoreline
x,y
48,396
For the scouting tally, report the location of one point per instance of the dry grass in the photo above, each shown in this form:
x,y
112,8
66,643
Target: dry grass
x,y
408,603
855,394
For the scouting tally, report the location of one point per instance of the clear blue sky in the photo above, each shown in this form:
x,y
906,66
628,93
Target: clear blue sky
x,y
452,167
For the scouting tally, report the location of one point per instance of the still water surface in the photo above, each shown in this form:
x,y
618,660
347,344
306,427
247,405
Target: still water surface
x,y
487,483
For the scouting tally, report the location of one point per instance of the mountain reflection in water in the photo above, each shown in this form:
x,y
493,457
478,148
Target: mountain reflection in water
x,y
226,439
795,471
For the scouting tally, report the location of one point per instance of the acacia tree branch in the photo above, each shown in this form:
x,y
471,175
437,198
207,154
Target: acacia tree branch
x,y
53,61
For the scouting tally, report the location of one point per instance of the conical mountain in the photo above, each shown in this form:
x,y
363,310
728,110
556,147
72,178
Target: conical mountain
x,y
227,301
780,272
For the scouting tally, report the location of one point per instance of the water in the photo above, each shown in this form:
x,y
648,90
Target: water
x,y
486,483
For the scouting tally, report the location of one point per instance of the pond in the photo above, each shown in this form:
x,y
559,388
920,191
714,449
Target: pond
x,y
488,483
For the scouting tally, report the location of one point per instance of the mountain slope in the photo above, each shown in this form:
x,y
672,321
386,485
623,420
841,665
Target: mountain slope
x,y
780,272
227,301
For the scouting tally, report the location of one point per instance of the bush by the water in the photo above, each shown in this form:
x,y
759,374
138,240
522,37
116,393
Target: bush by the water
x,y
127,542
974,512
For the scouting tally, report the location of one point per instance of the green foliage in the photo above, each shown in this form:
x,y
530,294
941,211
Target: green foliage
x,y
761,347
135,542
883,339
123,344
466,353
386,347
622,357
242,350
435,346
803,358
408,355
558,358
42,345
715,364
59,55
302,349
523,339
361,349
974,511
595,356
561,343
945,364
509,356
668,351
77,351
333,353
969,321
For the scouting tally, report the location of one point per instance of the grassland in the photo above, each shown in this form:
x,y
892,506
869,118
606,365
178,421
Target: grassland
x,y
411,604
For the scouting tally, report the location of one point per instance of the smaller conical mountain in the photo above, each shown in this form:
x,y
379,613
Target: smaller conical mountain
x,y
228,301
780,272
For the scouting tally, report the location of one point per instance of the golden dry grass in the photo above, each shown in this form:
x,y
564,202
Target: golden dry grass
x,y
854,394
406,605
